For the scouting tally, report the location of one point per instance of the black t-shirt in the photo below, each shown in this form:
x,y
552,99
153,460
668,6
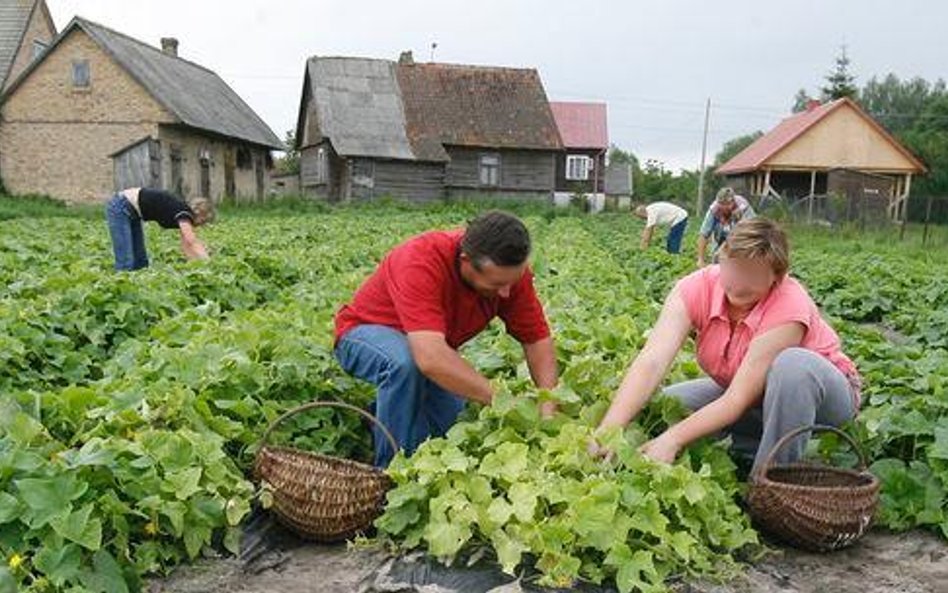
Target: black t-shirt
x,y
163,207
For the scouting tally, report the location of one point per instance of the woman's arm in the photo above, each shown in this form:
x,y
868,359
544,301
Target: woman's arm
x,y
745,389
650,366
191,246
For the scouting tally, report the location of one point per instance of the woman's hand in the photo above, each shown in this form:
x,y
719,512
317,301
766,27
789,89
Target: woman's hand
x,y
662,448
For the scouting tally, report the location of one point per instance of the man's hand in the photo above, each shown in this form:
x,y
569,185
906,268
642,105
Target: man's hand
x,y
596,449
548,410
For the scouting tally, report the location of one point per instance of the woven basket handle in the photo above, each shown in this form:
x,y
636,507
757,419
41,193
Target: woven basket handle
x,y
759,472
328,404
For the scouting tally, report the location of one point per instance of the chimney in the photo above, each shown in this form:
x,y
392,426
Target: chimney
x,y
406,59
812,104
169,45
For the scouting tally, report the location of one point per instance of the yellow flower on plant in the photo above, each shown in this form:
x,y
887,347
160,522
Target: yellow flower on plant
x,y
15,562
151,528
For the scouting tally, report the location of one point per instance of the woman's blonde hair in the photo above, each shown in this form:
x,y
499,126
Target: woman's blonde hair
x,y
203,209
759,238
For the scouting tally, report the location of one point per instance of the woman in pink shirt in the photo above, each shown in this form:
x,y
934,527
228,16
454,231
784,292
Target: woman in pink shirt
x,y
773,363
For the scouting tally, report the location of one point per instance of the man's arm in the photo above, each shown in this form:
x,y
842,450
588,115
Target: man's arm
x,y
541,360
191,246
443,365
702,250
707,226
647,236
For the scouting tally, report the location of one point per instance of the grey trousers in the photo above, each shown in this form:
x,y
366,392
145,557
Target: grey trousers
x,y
802,388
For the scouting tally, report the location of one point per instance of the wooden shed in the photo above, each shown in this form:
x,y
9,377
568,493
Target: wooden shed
x,y
800,156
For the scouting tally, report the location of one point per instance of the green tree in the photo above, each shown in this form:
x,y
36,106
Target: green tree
x,y
734,146
928,139
619,156
898,104
840,82
801,100
289,163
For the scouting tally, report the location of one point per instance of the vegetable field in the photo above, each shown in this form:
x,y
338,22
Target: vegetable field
x,y
130,404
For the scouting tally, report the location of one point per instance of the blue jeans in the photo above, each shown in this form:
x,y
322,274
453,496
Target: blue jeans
x,y
675,235
128,238
802,388
411,406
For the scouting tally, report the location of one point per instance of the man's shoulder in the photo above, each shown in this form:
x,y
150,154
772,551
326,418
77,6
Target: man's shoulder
x,y
432,250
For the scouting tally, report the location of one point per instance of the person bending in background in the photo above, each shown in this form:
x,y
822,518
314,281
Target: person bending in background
x,y
127,209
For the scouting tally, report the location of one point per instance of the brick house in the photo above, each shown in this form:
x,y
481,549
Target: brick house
x,y
99,111
369,128
26,30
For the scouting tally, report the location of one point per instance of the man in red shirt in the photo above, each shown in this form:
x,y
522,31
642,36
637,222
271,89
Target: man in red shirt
x,y
428,296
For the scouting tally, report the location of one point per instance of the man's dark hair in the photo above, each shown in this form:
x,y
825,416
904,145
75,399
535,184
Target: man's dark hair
x,y
498,237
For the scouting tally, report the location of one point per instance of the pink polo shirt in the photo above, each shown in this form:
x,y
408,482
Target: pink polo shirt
x,y
720,352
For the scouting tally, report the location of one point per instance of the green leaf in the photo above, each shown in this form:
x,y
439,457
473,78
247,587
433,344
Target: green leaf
x,y
509,550
195,538
508,462
236,509
184,483
49,497
9,508
939,449
80,528
397,519
60,564
7,582
500,511
523,496
106,576
445,539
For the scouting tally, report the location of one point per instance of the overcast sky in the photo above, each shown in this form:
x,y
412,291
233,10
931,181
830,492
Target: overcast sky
x,y
654,63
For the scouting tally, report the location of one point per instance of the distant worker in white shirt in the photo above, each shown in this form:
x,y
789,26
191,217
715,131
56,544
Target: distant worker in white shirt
x,y
663,214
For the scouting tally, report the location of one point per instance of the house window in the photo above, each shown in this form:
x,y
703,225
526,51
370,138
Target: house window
x,y
80,74
577,167
38,48
490,169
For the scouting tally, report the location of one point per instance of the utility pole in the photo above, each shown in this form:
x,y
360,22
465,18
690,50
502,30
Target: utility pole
x,y
704,151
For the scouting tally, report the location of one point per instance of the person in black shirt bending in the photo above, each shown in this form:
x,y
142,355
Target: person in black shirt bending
x,y
128,208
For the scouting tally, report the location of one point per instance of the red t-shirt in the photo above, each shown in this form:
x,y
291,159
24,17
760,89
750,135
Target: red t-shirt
x,y
418,287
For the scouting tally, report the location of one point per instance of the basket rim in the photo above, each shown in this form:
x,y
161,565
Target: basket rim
x,y
312,454
762,479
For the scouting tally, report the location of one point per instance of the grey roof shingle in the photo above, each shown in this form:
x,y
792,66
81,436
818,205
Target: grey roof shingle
x,y
196,96
358,107
14,18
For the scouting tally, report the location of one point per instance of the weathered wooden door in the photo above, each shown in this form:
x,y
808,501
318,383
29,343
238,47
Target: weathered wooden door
x,y
137,166
177,178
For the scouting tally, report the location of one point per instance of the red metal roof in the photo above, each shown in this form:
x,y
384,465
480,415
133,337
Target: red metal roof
x,y
582,125
788,130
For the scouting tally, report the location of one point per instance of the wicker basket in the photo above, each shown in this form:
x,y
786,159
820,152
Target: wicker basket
x,y
810,506
320,497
